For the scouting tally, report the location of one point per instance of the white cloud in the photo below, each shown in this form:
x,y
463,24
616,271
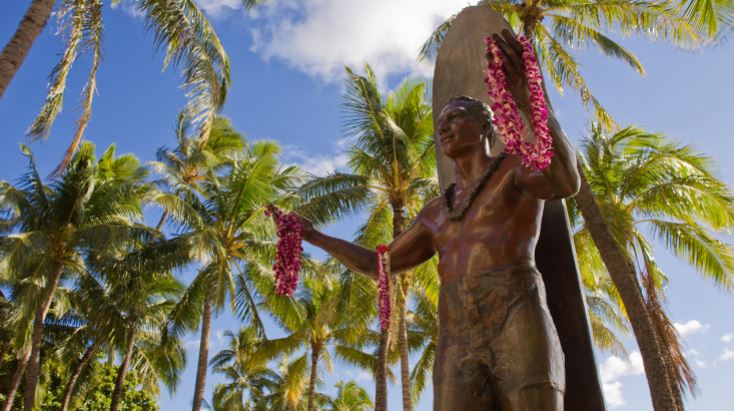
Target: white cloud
x,y
700,364
727,338
727,355
614,367
319,164
320,37
613,394
217,8
191,344
691,327
359,375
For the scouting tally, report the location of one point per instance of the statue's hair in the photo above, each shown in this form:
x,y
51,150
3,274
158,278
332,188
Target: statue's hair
x,y
479,110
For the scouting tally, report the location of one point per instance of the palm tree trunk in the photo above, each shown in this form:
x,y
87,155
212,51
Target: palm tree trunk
x,y
161,221
398,225
74,377
203,351
315,349
122,371
34,363
17,377
20,44
624,276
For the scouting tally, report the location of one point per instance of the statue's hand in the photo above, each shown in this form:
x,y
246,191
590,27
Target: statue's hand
x,y
514,66
308,228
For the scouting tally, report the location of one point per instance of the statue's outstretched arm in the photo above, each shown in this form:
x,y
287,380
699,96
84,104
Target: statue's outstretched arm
x,y
413,247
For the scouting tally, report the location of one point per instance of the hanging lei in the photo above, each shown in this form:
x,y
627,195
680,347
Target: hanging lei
x,y
287,251
383,285
506,115
448,195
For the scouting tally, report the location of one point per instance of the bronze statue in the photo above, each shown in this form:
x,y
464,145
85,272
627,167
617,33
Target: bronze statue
x,y
498,346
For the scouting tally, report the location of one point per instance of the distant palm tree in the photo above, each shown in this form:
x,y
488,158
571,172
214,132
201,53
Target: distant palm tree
x,y
559,27
94,207
184,168
223,226
350,397
647,185
245,373
393,173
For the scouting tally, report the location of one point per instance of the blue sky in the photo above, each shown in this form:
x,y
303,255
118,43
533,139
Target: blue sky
x,y
287,62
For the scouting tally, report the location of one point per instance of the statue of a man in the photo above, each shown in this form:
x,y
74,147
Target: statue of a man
x,y
498,347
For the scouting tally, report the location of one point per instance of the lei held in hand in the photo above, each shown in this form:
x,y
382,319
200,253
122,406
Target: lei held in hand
x,y
383,285
507,118
288,250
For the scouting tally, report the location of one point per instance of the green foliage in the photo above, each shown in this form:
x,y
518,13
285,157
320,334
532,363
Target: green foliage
x,y
99,397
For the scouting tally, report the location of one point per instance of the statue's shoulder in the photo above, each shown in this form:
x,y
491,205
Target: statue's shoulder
x,y
431,210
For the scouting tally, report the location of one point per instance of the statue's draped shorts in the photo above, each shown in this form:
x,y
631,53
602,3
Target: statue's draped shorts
x,y
497,343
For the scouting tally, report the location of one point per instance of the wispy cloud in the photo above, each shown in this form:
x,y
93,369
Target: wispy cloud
x,y
691,327
614,368
218,8
613,394
727,338
726,355
320,37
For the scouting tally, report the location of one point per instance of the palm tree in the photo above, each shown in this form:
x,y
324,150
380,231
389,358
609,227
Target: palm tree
x,y
246,374
648,186
559,27
350,397
132,296
223,226
17,49
182,169
92,208
179,26
325,317
393,164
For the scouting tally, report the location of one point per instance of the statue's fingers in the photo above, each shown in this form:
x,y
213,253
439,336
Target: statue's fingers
x,y
509,53
512,40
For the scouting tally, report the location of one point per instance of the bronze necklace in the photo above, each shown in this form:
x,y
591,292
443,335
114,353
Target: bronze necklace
x,y
448,195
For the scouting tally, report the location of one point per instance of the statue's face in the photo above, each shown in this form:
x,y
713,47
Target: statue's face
x,y
459,131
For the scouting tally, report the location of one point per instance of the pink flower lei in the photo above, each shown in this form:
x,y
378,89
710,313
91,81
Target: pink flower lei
x,y
287,251
506,115
383,285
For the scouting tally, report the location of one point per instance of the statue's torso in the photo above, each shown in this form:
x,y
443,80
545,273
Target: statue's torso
x,y
499,230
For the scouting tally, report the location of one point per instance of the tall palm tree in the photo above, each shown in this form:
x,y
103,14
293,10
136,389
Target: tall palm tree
x,y
223,225
648,186
17,49
179,27
559,27
393,172
94,207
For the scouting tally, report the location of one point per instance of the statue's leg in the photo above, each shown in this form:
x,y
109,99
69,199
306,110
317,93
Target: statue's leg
x,y
534,398
460,381
526,360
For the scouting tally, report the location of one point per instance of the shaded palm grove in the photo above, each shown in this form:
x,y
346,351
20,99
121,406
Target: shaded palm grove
x,y
92,306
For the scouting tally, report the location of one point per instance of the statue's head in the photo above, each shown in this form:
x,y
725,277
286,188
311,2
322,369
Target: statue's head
x,y
464,124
